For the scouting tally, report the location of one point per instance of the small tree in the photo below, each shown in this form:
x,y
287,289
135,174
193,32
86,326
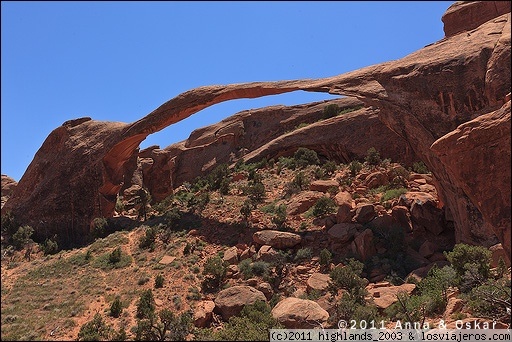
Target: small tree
x,y
325,257
116,308
95,330
214,272
325,205
159,281
115,256
22,236
330,111
372,156
471,263
146,305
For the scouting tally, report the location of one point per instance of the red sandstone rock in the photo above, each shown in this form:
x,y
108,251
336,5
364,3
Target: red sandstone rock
x,y
82,165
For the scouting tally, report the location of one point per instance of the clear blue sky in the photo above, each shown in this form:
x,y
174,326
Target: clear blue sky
x,y
118,61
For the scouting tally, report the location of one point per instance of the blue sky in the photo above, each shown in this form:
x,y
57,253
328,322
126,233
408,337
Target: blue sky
x,y
118,61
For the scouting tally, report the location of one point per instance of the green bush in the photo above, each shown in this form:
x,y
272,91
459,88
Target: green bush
x,y
148,240
100,225
22,236
372,156
166,327
420,167
214,272
115,256
159,281
491,299
50,246
471,263
256,192
260,268
303,254
304,157
245,268
252,324
279,217
146,305
325,257
247,208
330,111
349,278
95,330
330,167
218,179
325,205
116,308
392,193
354,167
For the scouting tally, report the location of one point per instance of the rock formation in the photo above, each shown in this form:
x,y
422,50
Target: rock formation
x,y
8,186
426,98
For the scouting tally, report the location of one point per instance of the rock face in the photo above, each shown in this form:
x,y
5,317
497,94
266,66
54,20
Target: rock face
x,y
443,100
231,301
296,313
8,186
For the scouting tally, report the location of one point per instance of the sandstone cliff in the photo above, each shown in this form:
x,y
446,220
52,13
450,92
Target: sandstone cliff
x,y
425,98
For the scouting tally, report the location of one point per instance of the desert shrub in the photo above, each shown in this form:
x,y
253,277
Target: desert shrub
x,y
252,324
325,257
116,308
351,308
330,167
22,236
330,111
50,246
218,179
354,167
492,299
115,256
9,224
279,217
165,327
392,193
372,156
159,281
199,201
247,208
325,205
146,304
148,239
214,272
260,268
471,263
303,254
255,192
245,268
420,167
349,278
287,162
100,227
95,330
304,157
193,294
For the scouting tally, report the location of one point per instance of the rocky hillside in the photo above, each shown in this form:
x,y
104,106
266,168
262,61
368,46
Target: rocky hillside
x,y
407,169
295,242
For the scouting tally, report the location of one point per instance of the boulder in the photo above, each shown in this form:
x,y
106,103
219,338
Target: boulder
x,y
365,212
231,301
231,255
267,253
364,245
385,296
322,185
301,202
203,313
296,313
318,282
276,239
343,232
376,179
